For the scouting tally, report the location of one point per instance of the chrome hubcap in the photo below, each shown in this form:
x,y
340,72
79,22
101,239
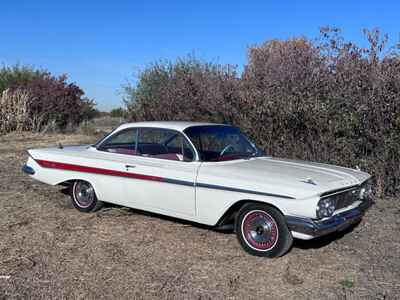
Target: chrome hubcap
x,y
260,230
84,194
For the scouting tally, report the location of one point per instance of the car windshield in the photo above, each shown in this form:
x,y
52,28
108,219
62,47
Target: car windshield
x,y
221,143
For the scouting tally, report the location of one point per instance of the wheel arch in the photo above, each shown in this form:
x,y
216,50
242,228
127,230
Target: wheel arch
x,y
230,214
70,181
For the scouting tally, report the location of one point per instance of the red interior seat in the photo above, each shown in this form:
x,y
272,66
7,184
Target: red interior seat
x,y
169,156
123,151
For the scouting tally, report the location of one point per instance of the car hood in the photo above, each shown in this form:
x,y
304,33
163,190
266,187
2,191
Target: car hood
x,y
293,178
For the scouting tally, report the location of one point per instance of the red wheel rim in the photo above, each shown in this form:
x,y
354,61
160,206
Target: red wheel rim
x,y
259,230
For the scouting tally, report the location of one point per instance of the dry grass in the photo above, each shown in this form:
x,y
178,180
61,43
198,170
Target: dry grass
x,y
50,250
14,111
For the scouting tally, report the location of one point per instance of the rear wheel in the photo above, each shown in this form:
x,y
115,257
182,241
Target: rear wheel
x,y
84,197
262,230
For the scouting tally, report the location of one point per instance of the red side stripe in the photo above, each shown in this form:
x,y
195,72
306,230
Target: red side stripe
x,y
78,168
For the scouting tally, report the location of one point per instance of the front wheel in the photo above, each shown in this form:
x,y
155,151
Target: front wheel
x,y
262,230
84,197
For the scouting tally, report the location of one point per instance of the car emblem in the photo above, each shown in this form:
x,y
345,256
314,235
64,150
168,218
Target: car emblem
x,y
309,181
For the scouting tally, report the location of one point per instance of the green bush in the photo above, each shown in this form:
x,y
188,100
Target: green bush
x,y
117,113
18,75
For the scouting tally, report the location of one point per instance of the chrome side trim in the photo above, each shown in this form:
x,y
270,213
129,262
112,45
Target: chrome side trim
x,y
179,182
110,172
28,170
337,222
231,189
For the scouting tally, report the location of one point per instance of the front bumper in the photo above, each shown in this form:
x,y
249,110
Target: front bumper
x,y
339,222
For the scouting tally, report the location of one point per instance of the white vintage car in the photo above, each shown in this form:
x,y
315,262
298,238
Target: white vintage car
x,y
210,174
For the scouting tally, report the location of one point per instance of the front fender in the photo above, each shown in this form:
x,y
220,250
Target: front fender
x,y
213,204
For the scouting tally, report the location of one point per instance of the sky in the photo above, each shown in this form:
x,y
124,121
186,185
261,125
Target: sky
x,y
102,45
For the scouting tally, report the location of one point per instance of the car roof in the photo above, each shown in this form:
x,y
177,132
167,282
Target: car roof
x,y
176,125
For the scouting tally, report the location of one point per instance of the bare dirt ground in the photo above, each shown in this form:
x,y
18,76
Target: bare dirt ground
x,y
50,250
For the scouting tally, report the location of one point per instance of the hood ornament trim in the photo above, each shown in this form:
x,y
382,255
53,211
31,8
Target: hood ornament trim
x,y
309,180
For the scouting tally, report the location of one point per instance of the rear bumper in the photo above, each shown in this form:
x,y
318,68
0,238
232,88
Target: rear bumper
x,y
28,170
339,222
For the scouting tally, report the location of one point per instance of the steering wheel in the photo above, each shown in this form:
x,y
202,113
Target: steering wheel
x,y
226,149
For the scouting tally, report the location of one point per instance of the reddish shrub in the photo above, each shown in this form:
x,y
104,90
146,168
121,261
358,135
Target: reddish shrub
x,y
186,90
325,100
53,99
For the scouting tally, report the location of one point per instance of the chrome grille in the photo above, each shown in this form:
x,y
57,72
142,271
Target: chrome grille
x,y
345,198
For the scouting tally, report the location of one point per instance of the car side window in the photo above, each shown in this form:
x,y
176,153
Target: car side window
x,y
179,144
123,142
164,144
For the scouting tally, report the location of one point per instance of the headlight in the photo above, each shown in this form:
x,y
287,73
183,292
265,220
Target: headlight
x,y
366,190
326,207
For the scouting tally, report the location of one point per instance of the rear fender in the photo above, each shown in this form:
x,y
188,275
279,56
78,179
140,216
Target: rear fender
x,y
61,177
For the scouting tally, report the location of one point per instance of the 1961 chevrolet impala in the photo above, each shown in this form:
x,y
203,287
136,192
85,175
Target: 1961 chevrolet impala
x,y
210,174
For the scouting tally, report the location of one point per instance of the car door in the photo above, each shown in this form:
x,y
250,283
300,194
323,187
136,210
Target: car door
x,y
111,154
163,173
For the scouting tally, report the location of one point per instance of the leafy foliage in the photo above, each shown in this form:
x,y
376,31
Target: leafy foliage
x,y
88,109
18,75
186,90
117,112
325,100
52,99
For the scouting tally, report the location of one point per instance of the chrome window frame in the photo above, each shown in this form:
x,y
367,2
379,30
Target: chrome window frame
x,y
111,134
